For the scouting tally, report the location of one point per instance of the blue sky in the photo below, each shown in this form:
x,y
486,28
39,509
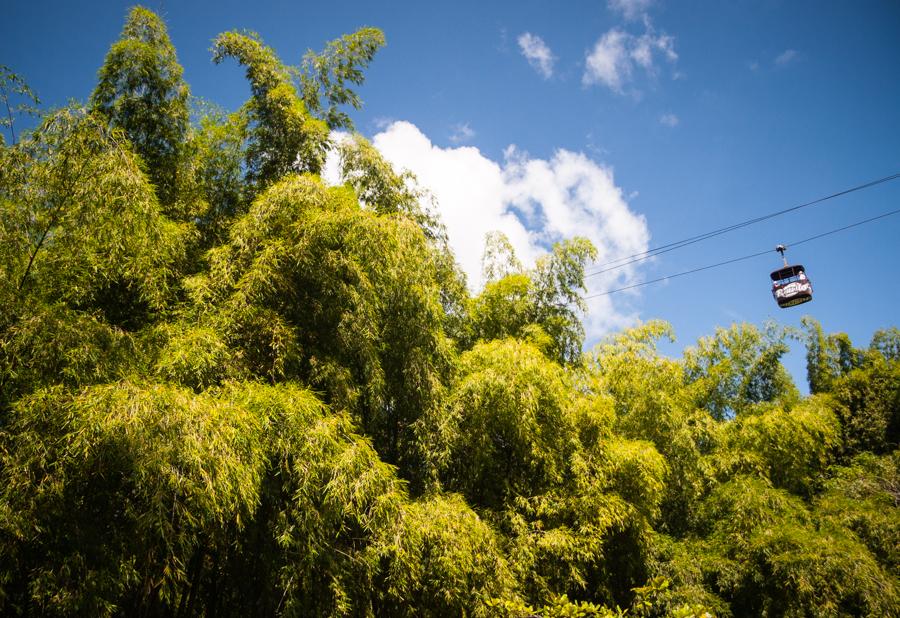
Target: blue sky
x,y
635,122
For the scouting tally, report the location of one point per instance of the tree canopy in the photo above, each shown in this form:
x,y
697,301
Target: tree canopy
x,y
230,388
141,91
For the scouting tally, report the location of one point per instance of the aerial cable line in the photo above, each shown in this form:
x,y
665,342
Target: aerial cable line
x,y
649,253
742,258
693,239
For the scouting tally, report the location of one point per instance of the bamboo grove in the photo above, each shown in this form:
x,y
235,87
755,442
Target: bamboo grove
x,y
229,388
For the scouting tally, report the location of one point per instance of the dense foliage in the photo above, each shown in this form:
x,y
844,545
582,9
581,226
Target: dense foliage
x,y
229,388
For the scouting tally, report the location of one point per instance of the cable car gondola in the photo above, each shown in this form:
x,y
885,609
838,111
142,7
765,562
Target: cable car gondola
x,y
790,285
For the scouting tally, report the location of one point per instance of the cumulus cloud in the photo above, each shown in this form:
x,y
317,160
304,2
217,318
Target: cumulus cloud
x,y
535,202
629,9
669,120
617,54
537,53
608,63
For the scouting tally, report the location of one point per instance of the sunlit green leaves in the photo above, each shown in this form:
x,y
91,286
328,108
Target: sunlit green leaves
x,y
792,449
141,91
509,430
118,485
83,225
738,368
282,136
327,76
313,287
229,389
216,151
440,558
864,498
383,190
17,98
547,297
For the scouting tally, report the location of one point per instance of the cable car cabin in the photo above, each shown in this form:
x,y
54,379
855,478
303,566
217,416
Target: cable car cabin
x,y
790,286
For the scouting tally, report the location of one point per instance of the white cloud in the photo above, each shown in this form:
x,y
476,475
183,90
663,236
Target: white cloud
x,y
616,54
609,63
462,133
535,202
664,44
381,122
630,9
669,120
786,57
331,171
537,53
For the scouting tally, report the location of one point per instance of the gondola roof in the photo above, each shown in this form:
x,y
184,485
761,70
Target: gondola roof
x,y
787,272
